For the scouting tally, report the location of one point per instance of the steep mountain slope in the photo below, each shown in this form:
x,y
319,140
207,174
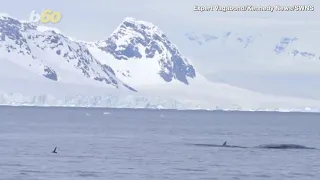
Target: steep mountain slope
x,y
52,55
140,52
137,56
127,50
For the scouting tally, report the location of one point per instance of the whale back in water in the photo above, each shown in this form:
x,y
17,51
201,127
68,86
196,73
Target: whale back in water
x,y
283,146
263,146
216,145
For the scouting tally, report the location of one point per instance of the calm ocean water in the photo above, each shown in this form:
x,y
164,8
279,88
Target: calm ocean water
x,y
122,144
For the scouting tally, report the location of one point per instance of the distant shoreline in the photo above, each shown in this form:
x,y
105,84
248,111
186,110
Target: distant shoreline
x,y
153,109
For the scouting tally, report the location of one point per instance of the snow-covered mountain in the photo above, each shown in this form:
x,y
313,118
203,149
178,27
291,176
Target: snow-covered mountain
x,y
291,50
140,52
282,45
137,66
52,55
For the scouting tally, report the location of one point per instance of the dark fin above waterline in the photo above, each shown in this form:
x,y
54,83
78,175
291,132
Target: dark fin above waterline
x,y
225,143
55,150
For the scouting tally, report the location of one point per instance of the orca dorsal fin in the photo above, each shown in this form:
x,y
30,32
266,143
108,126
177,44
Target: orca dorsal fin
x,y
55,150
225,143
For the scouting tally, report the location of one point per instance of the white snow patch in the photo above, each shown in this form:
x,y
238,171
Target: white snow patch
x,y
47,28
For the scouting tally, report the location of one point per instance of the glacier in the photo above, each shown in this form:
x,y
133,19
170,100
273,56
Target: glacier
x,y
137,66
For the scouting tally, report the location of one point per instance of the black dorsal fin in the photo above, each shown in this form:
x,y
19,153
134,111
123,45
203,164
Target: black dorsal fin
x,y
55,150
225,143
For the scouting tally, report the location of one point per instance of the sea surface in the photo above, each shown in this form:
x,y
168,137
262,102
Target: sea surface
x,y
129,144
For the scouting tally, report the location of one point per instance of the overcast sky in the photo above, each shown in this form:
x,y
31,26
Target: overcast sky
x,y
82,17
96,19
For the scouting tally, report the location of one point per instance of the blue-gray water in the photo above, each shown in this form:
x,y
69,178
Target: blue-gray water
x,y
154,145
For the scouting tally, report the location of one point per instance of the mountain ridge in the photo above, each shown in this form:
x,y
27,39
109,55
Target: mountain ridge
x,y
49,49
142,40
137,57
279,44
